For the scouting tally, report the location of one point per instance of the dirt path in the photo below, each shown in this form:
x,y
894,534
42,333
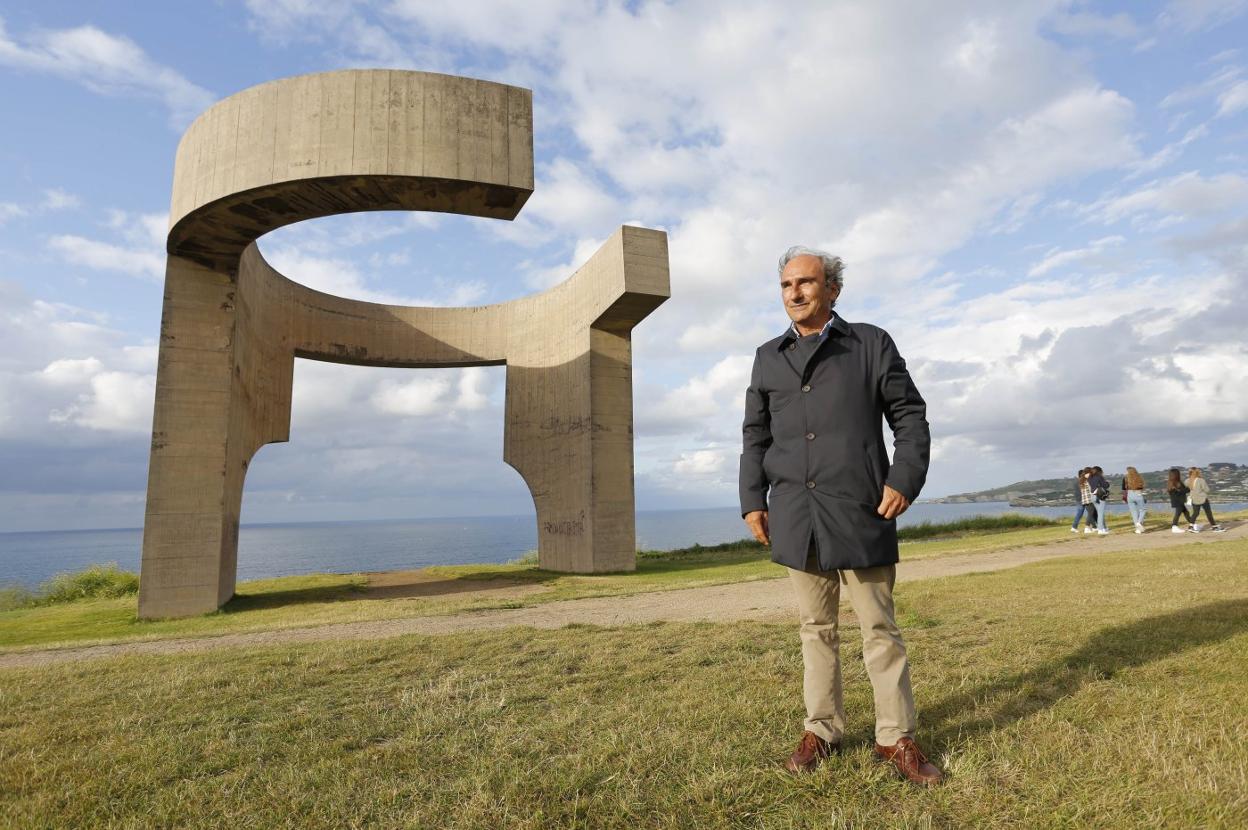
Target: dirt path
x,y
760,599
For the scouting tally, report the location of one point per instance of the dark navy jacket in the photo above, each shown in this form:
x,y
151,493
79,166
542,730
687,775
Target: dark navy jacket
x,y
814,452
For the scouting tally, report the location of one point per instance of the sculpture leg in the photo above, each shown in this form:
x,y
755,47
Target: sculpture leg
x,y
185,531
222,391
569,433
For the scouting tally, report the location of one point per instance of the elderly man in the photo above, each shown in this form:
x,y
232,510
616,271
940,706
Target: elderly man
x,y
816,485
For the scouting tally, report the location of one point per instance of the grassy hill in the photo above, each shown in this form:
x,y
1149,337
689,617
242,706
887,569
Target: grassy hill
x,y
1227,482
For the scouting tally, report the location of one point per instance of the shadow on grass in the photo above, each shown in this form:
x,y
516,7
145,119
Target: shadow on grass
x,y
1109,651
417,584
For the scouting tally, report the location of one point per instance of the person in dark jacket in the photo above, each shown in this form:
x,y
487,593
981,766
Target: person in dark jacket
x,y
817,485
1178,499
1100,492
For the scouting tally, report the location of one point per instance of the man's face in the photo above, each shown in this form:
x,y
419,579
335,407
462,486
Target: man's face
x,y
807,297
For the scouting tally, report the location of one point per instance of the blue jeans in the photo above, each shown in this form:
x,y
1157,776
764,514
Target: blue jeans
x,y
1135,503
1102,512
1079,515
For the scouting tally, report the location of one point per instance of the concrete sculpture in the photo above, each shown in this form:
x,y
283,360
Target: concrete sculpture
x,y
359,140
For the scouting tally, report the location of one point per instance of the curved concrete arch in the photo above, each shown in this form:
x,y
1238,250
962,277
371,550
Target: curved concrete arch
x,y
317,145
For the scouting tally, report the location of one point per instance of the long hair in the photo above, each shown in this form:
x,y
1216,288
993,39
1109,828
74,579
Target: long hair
x,y
1174,480
1193,473
1135,481
1082,475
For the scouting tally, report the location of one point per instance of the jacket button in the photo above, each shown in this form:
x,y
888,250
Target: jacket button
x,y
792,346
810,485
810,436
806,388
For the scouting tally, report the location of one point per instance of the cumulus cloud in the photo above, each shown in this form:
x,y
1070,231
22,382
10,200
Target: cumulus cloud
x,y
137,251
105,63
1188,194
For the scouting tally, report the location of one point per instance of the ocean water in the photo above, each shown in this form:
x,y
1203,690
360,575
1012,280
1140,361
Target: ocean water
x,y
267,550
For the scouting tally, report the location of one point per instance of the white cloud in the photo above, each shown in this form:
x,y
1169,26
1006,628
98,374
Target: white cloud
x,y
1188,194
340,276
541,277
1195,15
717,463
1212,86
54,199
141,253
116,402
566,197
413,398
1057,258
706,404
1233,100
107,64
105,256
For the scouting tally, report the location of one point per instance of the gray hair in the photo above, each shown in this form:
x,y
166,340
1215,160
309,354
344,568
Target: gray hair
x,y
833,266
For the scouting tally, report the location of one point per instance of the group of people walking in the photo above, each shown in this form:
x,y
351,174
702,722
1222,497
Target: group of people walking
x,y
1187,497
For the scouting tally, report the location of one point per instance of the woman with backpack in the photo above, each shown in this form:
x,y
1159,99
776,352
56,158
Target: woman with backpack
x,y
1200,498
1178,499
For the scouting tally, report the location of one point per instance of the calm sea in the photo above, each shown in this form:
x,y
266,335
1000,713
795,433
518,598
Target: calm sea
x,y
345,547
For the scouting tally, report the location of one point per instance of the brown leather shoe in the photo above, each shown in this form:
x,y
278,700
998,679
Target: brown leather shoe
x,y
910,761
810,751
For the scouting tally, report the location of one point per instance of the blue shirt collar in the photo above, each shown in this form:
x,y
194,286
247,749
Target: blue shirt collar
x,y
823,333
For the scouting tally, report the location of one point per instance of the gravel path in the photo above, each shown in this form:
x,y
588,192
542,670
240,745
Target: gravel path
x,y
757,600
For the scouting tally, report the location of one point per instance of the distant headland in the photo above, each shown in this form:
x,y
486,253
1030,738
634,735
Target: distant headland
x,y
1227,483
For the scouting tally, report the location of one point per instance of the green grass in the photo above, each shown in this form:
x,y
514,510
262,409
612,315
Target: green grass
x,y
1100,691
974,524
94,581
321,599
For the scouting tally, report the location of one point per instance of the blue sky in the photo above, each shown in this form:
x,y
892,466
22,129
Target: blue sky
x,y
1045,202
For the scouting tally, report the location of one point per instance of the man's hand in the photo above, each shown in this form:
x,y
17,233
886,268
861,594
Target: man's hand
x,y
891,506
757,520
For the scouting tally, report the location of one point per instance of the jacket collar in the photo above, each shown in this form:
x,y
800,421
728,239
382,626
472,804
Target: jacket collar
x,y
836,325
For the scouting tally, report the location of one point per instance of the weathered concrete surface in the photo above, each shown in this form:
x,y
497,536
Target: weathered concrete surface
x,y
317,145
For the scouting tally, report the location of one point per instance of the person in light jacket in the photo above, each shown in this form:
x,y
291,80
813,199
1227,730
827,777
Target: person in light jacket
x,y
818,486
1133,493
1083,500
1200,498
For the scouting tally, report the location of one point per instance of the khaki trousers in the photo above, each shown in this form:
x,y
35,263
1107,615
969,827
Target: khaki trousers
x,y
871,595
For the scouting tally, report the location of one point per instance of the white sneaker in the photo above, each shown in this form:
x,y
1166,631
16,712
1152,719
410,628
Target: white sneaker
x,y
1088,530
1175,529
1193,528
1139,528
1102,533
1218,529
